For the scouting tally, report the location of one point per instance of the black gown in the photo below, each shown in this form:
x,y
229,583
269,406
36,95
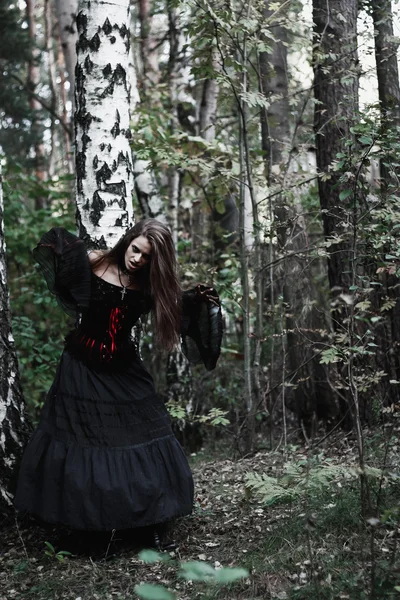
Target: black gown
x,y
104,455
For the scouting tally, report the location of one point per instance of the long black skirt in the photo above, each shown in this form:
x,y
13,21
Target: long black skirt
x,y
104,456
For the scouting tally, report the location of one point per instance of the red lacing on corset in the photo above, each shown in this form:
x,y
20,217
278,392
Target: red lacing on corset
x,y
106,350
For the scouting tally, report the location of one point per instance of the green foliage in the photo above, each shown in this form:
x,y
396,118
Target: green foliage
x,y
59,555
191,571
301,478
39,325
16,135
214,417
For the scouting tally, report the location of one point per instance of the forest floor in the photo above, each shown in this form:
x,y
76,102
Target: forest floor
x,y
315,546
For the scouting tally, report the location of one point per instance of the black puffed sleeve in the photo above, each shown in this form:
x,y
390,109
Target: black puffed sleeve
x,y
201,329
64,262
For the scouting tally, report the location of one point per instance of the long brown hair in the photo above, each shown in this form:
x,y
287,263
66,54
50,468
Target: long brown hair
x,y
159,278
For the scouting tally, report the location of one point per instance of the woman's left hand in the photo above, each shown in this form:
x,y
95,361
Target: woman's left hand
x,y
207,294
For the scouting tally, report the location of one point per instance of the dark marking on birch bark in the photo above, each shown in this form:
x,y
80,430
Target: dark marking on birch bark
x,y
107,71
95,162
81,21
119,222
102,175
117,188
123,159
113,39
124,33
115,130
102,146
98,206
118,77
88,64
80,162
84,44
107,27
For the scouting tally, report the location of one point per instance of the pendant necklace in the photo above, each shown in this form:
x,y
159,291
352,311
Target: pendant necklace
x,y
124,287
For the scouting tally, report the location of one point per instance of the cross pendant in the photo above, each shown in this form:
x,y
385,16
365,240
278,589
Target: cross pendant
x,y
123,292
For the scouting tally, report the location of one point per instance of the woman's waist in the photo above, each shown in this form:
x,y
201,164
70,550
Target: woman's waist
x,y
98,347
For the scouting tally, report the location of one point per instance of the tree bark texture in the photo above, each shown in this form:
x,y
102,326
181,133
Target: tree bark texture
x,y
52,73
66,14
336,95
103,156
147,192
12,417
36,107
148,47
386,59
309,393
387,331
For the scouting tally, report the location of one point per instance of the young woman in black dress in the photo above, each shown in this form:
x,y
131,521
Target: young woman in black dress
x,y
104,456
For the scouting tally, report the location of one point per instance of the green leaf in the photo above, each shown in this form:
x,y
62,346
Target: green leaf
x,y
51,547
364,139
227,575
197,571
148,591
151,556
345,194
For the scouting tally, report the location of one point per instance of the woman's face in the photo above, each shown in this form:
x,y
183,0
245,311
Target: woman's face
x,y
137,254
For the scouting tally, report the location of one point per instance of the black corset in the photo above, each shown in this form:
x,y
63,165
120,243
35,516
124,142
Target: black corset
x,y
103,336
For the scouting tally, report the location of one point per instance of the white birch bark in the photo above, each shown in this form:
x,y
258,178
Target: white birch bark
x,y
146,186
147,192
102,126
52,73
66,15
33,82
12,417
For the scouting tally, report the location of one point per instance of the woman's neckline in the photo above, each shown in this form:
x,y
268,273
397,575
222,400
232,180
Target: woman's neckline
x,y
119,287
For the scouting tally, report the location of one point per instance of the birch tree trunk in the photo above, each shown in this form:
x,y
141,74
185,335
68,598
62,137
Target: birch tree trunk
x,y
104,170
146,184
12,416
66,15
33,81
52,73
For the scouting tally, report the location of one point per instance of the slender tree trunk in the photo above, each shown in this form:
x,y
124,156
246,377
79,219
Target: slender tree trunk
x,y
336,93
146,185
103,156
386,60
66,15
12,415
36,107
148,48
52,72
388,330
67,125
309,393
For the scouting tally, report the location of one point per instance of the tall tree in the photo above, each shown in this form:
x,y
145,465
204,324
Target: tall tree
x,y
309,393
336,95
37,109
103,156
66,15
12,417
387,70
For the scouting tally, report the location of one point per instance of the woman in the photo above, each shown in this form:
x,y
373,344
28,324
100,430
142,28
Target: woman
x,y
104,456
